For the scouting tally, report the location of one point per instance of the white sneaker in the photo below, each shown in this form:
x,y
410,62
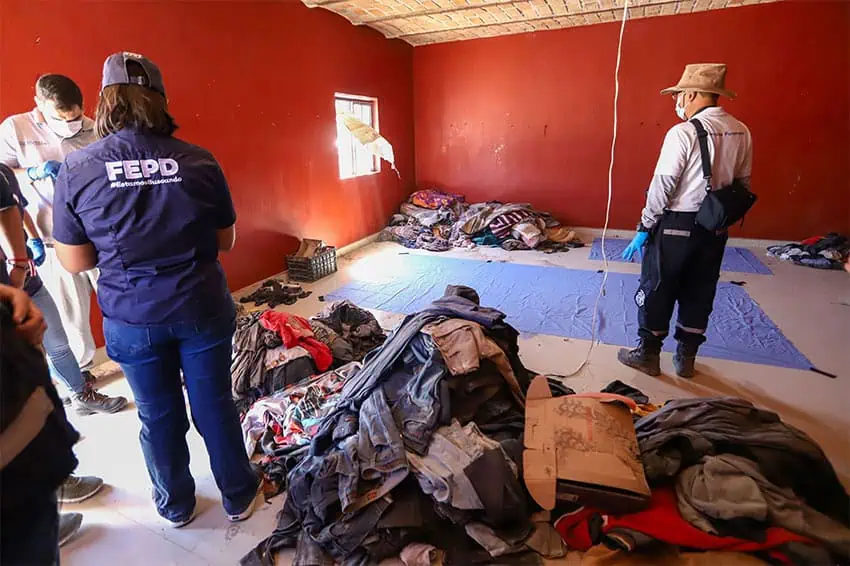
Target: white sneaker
x,y
248,510
179,524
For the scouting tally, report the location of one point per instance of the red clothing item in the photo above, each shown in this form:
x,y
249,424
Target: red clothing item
x,y
661,521
295,331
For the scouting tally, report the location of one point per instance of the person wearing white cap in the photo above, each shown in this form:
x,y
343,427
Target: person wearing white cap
x,y
681,263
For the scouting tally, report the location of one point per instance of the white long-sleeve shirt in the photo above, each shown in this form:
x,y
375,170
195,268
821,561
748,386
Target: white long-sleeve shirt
x,y
678,183
27,141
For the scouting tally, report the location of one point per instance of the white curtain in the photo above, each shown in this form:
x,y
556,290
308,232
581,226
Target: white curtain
x,y
369,138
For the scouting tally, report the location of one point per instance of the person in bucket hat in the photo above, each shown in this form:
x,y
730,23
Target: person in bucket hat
x,y
680,260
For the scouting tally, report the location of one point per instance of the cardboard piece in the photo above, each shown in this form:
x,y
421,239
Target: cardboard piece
x,y
309,247
582,449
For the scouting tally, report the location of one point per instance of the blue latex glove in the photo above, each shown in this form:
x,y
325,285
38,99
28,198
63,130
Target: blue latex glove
x,y
36,246
636,245
45,170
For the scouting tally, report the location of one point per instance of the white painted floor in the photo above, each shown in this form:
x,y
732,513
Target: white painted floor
x,y
811,307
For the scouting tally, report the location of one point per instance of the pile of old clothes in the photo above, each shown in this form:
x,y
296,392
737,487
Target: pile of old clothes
x,y
296,332
726,476
270,351
273,350
821,252
437,221
281,425
273,293
421,454
349,331
260,363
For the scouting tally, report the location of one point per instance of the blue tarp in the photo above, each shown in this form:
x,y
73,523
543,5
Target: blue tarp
x,y
559,301
739,260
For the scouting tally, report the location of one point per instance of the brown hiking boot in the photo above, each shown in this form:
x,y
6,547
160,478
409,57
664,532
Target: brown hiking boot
x,y
91,401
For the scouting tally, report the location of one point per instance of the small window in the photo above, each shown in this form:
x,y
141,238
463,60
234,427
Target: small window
x,y
356,160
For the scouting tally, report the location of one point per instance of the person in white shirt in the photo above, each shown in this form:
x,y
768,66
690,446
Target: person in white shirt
x,y
34,144
680,259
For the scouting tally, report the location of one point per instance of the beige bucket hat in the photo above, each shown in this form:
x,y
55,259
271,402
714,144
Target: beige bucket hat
x,y
703,77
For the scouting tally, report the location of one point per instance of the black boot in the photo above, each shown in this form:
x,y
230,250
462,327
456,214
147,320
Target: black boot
x,y
684,359
686,352
645,358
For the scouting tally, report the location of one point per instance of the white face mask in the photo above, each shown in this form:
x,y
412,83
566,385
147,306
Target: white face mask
x,y
65,129
680,112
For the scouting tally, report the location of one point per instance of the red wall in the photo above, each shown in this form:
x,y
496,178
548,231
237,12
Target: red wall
x,y
253,82
529,117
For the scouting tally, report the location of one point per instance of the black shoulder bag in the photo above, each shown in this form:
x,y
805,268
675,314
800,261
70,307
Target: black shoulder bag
x,y
724,206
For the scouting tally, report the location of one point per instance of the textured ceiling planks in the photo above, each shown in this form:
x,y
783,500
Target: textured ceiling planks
x,y
422,22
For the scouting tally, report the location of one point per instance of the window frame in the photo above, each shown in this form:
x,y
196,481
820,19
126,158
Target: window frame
x,y
375,160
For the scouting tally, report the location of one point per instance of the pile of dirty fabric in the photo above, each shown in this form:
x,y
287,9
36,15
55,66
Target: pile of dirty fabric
x,y
281,425
725,476
273,350
821,252
417,452
273,293
349,331
437,221
420,453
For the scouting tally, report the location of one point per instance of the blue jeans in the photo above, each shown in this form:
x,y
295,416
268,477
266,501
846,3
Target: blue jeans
x,y
152,357
30,536
60,359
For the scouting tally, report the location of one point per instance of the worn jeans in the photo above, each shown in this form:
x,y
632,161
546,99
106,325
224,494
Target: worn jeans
x,y
152,357
441,471
30,536
60,358
72,293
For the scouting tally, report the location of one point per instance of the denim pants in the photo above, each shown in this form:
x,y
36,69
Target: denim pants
x,y
60,358
30,536
151,358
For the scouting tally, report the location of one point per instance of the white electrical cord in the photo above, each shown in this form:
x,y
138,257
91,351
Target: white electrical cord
x,y
610,192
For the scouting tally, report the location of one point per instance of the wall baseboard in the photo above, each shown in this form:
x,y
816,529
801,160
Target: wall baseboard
x,y
354,246
283,275
588,234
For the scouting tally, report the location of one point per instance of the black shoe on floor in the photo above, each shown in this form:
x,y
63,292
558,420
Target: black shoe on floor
x,y
684,365
69,524
78,488
88,377
687,346
642,359
91,401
